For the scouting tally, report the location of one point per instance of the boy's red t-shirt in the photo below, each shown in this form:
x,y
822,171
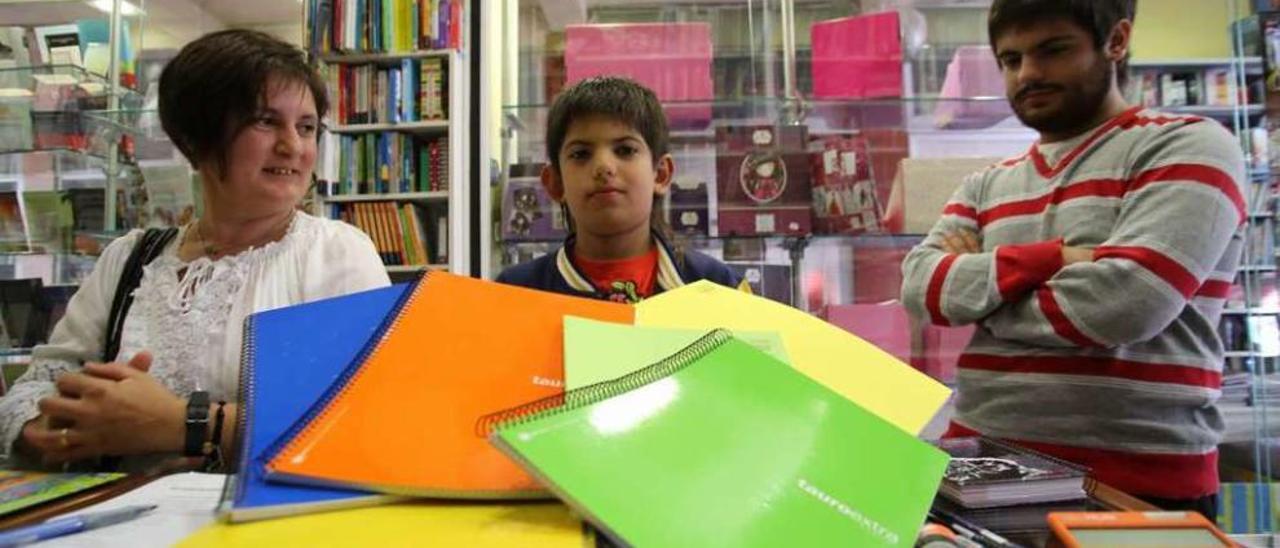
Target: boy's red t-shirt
x,y
623,280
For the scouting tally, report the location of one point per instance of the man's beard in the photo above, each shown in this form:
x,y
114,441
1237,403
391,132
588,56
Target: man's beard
x,y
1078,107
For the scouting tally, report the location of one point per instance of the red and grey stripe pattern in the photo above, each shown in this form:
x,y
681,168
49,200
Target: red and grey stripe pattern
x,y
1112,361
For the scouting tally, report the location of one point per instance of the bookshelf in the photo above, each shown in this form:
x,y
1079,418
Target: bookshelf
x,y
392,159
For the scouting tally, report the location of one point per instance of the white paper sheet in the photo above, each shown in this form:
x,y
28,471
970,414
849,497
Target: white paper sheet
x,y
186,502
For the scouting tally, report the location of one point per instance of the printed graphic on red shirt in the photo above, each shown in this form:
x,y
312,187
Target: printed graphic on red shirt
x,y
625,280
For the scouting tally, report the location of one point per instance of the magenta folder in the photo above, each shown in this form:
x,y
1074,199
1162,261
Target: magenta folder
x,y
672,59
855,57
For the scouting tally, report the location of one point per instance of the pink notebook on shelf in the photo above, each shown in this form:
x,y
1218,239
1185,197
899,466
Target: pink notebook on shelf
x,y
855,57
672,59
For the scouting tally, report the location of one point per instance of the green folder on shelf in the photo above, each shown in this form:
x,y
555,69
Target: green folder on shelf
x,y
633,347
721,444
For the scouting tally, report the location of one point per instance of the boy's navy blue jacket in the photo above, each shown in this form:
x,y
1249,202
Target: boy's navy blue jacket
x,y
556,272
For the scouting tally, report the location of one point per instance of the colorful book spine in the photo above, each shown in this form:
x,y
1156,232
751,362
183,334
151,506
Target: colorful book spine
x,y
395,26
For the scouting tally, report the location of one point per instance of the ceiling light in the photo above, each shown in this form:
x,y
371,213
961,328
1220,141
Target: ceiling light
x,y
126,8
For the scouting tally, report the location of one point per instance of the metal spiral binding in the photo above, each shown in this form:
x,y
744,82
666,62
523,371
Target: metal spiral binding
x,y
350,375
231,491
587,395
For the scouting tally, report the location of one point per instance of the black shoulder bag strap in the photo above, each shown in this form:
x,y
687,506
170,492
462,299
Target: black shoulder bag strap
x,y
150,245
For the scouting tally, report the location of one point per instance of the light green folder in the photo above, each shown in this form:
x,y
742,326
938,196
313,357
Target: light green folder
x,y
723,445
631,347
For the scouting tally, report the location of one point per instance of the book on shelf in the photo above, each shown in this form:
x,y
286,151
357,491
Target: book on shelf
x,y
400,230
13,234
389,162
986,473
528,213
170,193
58,44
14,53
395,26
1187,86
16,131
49,218
413,90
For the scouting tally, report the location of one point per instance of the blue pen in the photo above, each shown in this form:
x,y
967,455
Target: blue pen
x,y
71,524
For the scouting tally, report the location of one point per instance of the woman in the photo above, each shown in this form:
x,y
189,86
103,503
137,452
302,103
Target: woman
x,y
245,110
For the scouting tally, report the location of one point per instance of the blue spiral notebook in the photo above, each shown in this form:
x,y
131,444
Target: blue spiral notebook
x,y
291,356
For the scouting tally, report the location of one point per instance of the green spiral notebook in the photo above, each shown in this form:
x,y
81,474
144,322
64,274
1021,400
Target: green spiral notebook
x,y
723,445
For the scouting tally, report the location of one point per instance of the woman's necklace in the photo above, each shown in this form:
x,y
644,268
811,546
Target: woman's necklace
x,y
213,251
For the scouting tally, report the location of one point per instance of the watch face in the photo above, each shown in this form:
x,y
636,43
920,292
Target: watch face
x,y
763,176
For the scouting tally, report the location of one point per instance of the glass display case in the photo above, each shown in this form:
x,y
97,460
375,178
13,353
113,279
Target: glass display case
x,y
875,110
69,177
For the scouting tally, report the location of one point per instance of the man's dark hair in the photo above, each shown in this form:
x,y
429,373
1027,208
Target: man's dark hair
x,y
613,97
215,86
1098,17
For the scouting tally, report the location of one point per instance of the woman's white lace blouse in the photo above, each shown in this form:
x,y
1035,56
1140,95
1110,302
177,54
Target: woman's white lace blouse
x,y
190,315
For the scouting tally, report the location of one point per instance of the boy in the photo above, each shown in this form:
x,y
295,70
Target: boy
x,y
607,142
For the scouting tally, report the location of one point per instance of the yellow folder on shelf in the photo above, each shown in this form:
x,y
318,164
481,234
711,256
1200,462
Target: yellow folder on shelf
x,y
532,525
852,367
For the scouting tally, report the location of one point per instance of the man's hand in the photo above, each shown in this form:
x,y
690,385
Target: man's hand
x,y
1072,255
961,241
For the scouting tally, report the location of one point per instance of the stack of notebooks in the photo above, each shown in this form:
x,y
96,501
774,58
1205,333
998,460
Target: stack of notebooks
x,y
1008,488
649,421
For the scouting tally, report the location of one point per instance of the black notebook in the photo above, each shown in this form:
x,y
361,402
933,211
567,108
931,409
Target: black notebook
x,y
985,473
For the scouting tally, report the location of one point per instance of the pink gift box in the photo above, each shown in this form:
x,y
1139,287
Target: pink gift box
x,y
855,57
672,59
885,325
973,72
937,351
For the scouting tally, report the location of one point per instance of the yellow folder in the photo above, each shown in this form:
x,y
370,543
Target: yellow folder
x,y
533,525
850,366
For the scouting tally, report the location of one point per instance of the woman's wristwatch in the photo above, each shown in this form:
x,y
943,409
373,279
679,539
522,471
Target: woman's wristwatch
x,y
197,424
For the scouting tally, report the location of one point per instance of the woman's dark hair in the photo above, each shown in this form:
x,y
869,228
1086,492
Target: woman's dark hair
x,y
1098,17
215,86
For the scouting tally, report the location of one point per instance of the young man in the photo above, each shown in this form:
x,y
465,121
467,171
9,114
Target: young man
x,y
1095,266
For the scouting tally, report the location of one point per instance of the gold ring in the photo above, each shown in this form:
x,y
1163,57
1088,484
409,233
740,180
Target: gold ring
x,y
62,438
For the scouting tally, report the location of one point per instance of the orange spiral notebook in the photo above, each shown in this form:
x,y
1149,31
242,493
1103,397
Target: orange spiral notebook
x,y
401,420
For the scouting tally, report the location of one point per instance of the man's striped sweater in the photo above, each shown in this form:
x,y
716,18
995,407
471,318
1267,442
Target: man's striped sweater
x,y
1115,363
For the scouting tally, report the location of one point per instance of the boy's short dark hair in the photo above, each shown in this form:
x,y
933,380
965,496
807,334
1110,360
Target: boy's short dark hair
x,y
1097,17
614,97
215,85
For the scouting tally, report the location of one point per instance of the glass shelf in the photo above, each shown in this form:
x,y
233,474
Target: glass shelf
x,y
93,86
54,169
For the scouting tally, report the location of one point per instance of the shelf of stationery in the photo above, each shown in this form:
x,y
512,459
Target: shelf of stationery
x,y
335,58
1257,268
1213,111
409,269
873,237
1252,64
1251,311
428,127
440,195
26,77
431,181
